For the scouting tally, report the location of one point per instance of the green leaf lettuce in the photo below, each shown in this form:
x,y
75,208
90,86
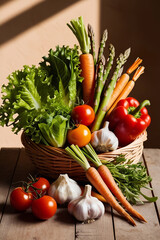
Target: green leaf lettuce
x,y
39,100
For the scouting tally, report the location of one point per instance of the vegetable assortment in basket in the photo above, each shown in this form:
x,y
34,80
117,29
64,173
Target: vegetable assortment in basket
x,y
79,99
43,100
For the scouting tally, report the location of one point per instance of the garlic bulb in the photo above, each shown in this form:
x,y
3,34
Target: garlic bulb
x,y
86,207
104,140
64,189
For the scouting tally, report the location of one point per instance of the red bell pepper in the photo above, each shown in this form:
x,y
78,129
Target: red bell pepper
x,y
129,119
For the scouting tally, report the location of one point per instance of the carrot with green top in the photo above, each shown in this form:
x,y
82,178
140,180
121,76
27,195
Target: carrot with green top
x,y
86,59
96,180
109,181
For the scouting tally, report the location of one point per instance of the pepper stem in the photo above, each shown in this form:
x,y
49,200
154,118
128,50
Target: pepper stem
x,y
141,105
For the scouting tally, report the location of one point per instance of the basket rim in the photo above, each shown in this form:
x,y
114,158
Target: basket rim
x,y
27,141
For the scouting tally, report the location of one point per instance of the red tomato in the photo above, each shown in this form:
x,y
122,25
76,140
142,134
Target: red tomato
x,y
20,199
44,207
80,136
40,183
83,114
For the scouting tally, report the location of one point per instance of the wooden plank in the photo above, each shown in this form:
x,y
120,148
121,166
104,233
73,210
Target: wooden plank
x,y
152,159
8,160
143,231
97,230
25,226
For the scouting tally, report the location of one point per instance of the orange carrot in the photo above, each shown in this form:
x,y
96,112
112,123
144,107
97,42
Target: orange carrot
x,y
96,180
123,80
88,85
134,66
110,182
94,194
86,59
126,90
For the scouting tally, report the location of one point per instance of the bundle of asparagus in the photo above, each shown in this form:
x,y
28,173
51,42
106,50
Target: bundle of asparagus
x,y
109,91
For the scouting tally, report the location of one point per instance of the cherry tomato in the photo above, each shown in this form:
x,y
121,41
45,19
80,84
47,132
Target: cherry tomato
x,y
80,136
44,207
40,183
20,199
83,114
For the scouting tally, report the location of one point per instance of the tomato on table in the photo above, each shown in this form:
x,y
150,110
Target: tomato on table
x,y
44,207
80,136
83,114
39,183
20,200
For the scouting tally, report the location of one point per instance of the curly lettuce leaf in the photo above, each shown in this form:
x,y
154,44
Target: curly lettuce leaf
x,y
34,96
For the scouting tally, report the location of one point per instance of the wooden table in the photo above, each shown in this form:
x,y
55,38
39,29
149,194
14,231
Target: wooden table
x,y
15,166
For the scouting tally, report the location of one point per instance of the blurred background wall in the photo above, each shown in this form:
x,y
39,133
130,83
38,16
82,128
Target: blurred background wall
x,y
136,24
30,28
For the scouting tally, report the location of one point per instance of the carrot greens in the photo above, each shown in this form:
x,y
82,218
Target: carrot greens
x,y
78,28
131,178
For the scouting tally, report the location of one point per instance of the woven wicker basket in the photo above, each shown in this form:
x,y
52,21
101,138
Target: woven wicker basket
x,y
51,161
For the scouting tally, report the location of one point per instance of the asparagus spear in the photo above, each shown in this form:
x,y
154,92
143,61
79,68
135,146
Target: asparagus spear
x,y
92,42
102,109
99,83
100,87
102,45
110,62
99,70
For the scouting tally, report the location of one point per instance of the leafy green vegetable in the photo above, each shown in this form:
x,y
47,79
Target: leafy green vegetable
x,y
64,65
131,178
39,99
56,133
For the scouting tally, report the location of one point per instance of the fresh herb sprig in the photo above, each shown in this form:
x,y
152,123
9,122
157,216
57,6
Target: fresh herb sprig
x,y
131,178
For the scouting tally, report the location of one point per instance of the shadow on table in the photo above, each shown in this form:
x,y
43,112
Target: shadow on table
x,y
63,216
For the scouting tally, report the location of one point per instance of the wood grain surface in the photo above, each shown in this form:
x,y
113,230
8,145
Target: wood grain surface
x,y
15,166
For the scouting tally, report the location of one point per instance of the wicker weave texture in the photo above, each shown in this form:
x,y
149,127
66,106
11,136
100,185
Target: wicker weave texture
x,y
51,161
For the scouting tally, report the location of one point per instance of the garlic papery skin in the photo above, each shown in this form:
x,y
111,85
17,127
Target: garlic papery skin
x,y
64,189
104,140
86,207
